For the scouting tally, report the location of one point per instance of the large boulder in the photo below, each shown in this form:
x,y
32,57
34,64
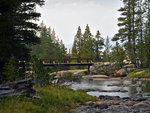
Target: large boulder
x,y
121,73
130,69
109,68
103,68
129,66
81,72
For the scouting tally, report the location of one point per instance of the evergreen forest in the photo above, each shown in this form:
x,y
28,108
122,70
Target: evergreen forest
x,y
22,38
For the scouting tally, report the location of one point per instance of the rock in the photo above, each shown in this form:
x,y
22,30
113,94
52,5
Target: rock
x,y
121,73
90,103
147,94
100,67
117,109
126,98
139,99
130,70
100,105
95,76
82,112
126,62
36,97
116,103
129,66
137,73
102,97
73,72
129,103
141,105
139,95
107,63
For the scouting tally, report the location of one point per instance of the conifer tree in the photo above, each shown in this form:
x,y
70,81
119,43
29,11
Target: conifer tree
x,y
17,29
128,31
48,47
99,43
76,49
87,46
11,70
118,55
108,47
147,32
140,32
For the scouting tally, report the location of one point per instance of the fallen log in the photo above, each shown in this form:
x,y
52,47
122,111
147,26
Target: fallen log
x,y
22,87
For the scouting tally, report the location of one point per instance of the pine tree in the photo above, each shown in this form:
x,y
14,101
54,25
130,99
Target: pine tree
x,y
140,33
108,47
118,55
128,31
11,70
87,46
48,47
99,43
147,32
76,49
39,73
17,29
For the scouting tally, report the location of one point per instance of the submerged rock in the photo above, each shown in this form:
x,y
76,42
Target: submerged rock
x,y
95,76
102,97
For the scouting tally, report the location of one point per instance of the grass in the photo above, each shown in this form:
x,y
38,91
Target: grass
x,y
144,73
54,99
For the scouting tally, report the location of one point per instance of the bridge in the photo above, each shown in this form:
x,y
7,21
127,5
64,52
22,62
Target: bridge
x,y
67,62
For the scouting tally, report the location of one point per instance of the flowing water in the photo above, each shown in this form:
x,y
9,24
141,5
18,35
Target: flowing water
x,y
131,87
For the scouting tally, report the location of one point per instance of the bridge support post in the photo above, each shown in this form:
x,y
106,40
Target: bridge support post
x,y
88,69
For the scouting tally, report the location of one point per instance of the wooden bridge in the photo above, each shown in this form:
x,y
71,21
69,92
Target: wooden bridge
x,y
67,62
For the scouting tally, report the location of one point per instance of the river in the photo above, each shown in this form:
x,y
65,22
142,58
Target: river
x,y
122,88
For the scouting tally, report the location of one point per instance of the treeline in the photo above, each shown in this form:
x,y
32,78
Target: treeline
x,y
87,46
17,33
49,46
134,31
97,48
23,42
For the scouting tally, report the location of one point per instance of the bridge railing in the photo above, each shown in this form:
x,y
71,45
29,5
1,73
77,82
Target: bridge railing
x,y
66,60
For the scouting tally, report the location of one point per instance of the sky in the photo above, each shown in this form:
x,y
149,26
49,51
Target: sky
x,y
66,15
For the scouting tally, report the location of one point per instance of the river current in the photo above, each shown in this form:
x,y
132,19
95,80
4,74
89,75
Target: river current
x,y
122,88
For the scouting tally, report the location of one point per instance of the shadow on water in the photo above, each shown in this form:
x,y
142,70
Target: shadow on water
x,y
113,88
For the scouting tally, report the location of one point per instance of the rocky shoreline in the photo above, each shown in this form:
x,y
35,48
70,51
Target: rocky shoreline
x,y
140,103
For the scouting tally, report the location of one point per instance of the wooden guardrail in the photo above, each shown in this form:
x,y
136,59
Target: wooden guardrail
x,y
22,87
66,60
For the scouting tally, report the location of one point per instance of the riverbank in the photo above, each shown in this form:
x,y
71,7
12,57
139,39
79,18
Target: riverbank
x,y
53,99
114,104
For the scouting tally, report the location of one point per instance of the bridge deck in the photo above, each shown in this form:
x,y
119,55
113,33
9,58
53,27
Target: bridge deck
x,y
68,64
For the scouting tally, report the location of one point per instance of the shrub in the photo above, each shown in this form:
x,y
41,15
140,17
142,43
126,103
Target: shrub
x,y
39,73
11,70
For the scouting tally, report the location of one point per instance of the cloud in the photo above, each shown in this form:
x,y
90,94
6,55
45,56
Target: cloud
x,y
66,15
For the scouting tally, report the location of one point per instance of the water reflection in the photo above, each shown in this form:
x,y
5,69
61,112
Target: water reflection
x,y
132,87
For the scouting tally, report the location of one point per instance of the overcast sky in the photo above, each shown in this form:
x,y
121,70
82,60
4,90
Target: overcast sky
x,y
66,15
